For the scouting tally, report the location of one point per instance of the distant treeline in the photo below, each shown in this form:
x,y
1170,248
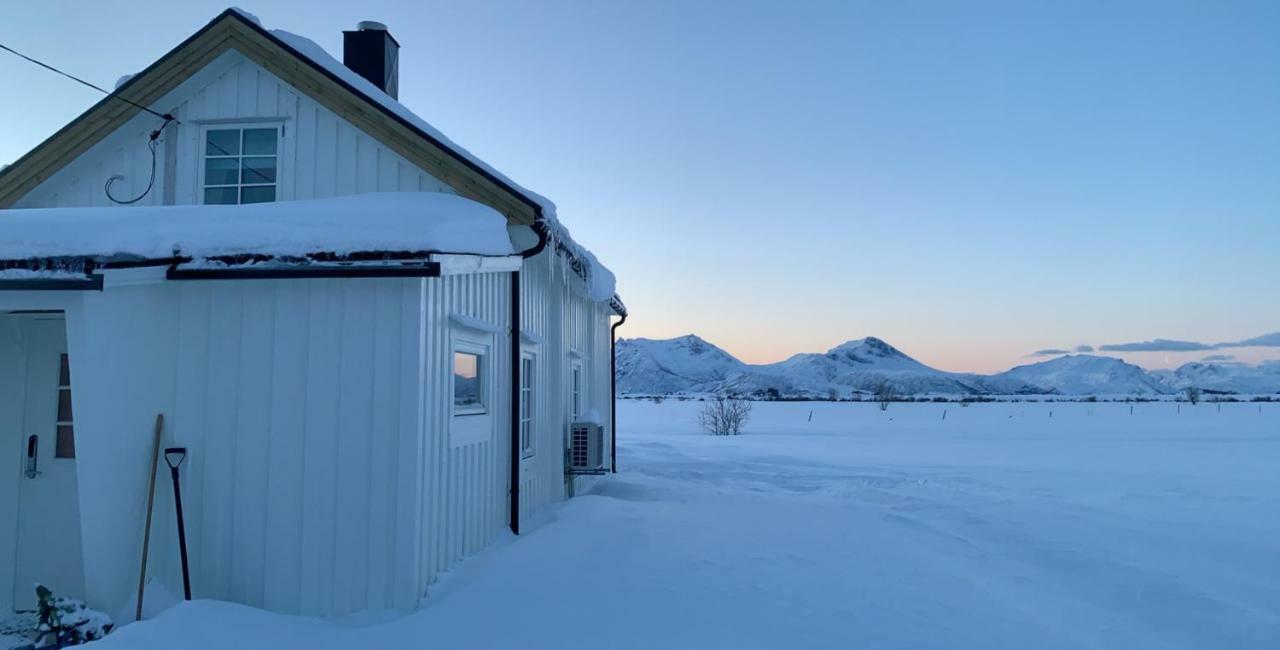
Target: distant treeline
x,y
964,399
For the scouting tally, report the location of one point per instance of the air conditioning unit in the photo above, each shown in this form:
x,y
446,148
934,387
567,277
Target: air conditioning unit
x,y
586,447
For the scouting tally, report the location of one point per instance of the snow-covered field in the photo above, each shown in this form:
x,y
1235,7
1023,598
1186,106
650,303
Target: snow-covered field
x,y
999,526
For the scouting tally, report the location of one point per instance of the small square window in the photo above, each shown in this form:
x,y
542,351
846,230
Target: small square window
x,y
64,405
65,446
221,196
265,194
241,165
260,141
222,142
222,171
468,383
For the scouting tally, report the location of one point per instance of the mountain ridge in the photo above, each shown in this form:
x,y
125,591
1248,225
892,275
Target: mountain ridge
x,y
690,365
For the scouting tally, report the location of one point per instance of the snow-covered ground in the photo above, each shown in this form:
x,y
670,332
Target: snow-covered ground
x,y
999,526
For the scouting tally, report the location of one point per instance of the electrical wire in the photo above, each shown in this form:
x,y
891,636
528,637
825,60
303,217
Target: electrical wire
x,y
152,143
46,66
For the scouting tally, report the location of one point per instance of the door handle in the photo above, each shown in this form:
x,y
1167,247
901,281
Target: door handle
x,y
33,456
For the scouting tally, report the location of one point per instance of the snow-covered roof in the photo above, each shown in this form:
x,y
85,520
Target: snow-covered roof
x,y
385,221
600,281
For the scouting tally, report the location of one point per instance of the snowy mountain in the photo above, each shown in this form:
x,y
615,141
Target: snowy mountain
x,y
685,364
691,365
1224,377
1084,374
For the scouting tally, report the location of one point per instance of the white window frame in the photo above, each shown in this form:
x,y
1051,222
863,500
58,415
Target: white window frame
x,y
481,353
528,406
470,425
577,390
202,156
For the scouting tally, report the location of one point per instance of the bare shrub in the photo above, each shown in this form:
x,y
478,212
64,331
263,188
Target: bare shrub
x,y
724,416
1193,395
884,395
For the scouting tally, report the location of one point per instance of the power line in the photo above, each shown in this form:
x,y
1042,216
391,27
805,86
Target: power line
x,y
164,116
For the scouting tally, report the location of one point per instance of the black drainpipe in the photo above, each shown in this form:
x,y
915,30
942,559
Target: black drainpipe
x,y
539,229
613,393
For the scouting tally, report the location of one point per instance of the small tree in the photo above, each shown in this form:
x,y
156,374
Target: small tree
x,y
724,415
1193,395
833,395
884,394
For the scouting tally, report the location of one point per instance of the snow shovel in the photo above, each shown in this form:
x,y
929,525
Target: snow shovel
x,y
173,457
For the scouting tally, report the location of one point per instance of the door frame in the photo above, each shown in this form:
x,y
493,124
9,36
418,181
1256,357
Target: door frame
x,y
16,341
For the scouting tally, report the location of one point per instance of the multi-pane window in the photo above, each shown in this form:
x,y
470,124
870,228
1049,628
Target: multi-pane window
x,y
241,165
575,391
468,382
526,406
65,444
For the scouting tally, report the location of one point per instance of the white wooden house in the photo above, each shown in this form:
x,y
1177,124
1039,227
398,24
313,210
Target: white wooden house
x,y
334,307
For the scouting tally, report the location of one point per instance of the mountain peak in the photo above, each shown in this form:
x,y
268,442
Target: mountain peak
x,y
866,347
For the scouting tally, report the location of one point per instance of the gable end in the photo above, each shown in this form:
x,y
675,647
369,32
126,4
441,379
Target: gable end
x,y
231,30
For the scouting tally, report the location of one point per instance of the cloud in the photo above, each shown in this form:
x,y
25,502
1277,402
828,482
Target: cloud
x,y
1051,352
1271,340
1157,345
1219,357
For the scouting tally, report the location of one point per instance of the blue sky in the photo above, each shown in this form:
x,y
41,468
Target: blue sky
x,y
970,181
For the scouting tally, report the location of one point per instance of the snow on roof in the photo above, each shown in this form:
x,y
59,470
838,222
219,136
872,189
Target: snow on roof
x,y
601,283
385,221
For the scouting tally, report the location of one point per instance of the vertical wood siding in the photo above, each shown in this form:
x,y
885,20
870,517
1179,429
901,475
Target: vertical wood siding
x,y
322,155
289,395
571,329
466,492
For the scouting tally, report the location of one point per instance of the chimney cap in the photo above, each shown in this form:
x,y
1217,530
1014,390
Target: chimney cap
x,y
371,26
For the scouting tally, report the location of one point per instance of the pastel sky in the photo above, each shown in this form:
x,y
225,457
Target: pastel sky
x,y
970,181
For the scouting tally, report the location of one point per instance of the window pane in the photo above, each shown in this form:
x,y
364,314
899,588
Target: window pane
x,y
466,380
260,141
220,195
264,194
221,171
65,445
64,372
258,170
222,142
64,405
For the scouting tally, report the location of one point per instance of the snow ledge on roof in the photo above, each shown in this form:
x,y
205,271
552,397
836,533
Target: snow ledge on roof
x,y
385,221
601,282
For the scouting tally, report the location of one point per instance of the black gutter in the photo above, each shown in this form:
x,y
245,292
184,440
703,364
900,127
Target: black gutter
x,y
613,386
425,270
89,283
539,229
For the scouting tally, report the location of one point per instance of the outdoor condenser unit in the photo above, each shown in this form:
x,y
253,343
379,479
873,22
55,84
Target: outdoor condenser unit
x,y
586,447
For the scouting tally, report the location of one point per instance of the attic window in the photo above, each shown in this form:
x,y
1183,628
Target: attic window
x,y
241,164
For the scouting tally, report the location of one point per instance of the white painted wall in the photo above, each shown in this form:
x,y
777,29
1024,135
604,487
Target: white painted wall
x,y
568,328
321,474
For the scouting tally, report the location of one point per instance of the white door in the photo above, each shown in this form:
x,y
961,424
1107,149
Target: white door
x,y
49,550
